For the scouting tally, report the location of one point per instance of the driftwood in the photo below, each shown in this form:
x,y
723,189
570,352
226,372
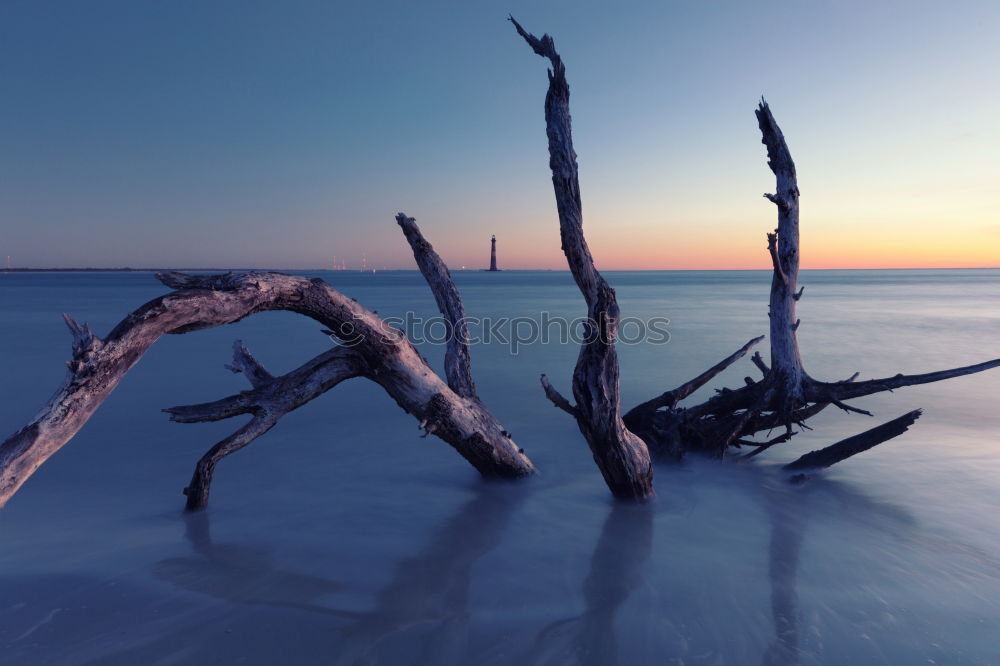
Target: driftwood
x,y
785,396
621,456
622,446
844,449
372,349
270,399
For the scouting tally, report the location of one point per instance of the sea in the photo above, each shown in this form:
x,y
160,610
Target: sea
x,y
344,537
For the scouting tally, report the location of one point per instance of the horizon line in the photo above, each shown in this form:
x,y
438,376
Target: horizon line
x,y
127,269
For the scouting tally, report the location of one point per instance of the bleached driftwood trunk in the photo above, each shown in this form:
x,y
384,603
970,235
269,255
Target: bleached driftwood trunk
x,y
621,456
786,375
372,349
786,395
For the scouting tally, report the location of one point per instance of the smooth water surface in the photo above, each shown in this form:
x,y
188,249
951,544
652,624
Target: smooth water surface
x,y
343,537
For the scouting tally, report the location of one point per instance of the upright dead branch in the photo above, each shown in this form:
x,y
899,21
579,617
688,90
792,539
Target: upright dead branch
x,y
458,359
376,351
786,395
243,361
621,456
786,365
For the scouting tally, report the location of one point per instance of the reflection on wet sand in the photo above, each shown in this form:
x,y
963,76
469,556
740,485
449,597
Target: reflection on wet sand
x,y
789,508
617,567
241,575
428,594
787,523
420,616
248,605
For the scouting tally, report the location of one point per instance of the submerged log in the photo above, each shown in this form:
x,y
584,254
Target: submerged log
x,y
372,349
844,449
621,456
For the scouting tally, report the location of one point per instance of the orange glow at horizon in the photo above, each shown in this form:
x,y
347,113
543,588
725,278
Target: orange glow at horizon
x,y
824,248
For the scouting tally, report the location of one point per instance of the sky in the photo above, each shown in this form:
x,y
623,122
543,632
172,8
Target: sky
x,y
281,135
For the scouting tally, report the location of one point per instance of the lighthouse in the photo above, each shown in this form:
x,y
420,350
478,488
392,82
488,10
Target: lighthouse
x,y
493,254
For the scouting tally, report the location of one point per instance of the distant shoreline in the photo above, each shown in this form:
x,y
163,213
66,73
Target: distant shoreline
x,y
125,270
473,270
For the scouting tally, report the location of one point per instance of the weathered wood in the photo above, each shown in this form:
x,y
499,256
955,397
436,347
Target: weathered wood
x,y
457,359
786,374
786,394
269,400
557,398
198,489
846,391
759,362
851,446
243,361
275,398
201,302
621,456
674,396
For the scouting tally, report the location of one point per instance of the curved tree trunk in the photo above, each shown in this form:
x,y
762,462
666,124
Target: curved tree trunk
x,y
372,349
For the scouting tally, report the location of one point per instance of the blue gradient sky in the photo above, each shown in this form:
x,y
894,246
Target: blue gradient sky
x,y
281,134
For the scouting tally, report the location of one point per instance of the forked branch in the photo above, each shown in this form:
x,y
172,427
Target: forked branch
x,y
268,402
378,351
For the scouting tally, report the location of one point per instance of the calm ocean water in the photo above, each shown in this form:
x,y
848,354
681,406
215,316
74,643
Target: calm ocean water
x,y
342,537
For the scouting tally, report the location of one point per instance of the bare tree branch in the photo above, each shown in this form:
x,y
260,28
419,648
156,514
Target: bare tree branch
x,y
458,359
786,374
621,456
674,396
557,398
269,401
207,301
854,445
243,361
759,362
846,391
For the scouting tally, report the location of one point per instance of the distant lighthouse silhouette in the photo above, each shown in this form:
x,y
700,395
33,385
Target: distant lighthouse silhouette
x,y
493,255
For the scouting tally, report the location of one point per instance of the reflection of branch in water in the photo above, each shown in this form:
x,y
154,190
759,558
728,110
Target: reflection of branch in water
x,y
788,508
616,568
242,575
787,524
430,590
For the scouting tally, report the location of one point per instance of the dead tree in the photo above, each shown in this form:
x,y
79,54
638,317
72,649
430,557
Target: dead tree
x,y
621,456
785,396
370,348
